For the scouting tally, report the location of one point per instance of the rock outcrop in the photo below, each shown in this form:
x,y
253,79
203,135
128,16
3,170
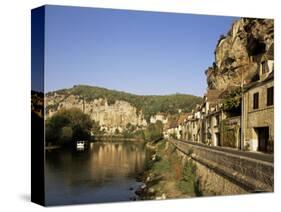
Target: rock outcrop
x,y
110,117
116,111
238,54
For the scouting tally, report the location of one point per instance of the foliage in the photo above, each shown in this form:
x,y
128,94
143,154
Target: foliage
x,y
232,100
174,135
149,104
161,166
154,131
188,182
68,125
189,171
96,129
228,134
66,134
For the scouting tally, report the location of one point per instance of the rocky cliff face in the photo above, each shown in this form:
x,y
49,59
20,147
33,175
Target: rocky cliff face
x,y
110,117
238,54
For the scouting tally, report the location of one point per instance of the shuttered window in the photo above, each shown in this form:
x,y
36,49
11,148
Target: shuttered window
x,y
256,101
270,96
264,67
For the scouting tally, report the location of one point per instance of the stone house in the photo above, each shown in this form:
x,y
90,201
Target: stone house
x,y
193,125
181,125
258,107
159,117
230,132
176,128
211,118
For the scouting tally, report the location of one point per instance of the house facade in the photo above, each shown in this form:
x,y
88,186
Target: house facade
x,y
248,126
259,110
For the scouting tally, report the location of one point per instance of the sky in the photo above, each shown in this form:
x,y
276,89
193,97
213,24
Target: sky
x,y
134,51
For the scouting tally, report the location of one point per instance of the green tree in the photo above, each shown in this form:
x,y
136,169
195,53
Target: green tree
x,y
68,125
154,131
66,135
232,102
96,129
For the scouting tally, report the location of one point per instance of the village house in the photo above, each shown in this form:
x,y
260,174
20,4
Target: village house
x,y
258,107
248,127
182,130
194,123
159,117
211,117
172,131
176,127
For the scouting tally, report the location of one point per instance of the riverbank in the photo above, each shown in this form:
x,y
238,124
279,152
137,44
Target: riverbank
x,y
52,147
114,138
168,175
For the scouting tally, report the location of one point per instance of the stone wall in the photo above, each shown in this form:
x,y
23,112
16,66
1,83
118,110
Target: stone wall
x,y
230,132
211,183
261,117
248,174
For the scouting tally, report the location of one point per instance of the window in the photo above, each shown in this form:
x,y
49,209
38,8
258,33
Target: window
x,y
264,67
217,120
270,96
256,101
209,122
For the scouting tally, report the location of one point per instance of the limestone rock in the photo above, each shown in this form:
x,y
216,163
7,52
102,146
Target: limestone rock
x,y
110,117
238,54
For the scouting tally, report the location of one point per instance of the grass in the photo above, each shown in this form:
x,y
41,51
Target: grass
x,y
177,180
189,184
161,166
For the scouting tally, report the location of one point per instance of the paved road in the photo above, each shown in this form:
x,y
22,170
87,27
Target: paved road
x,y
254,155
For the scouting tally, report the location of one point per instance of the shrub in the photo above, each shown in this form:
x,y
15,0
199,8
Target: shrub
x,y
68,125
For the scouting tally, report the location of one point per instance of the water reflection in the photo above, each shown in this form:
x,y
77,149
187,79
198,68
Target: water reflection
x,y
103,173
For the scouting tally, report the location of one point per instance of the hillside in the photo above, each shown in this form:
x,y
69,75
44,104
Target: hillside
x,y
115,109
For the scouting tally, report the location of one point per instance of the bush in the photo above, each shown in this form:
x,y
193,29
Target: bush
x,y
68,125
161,166
188,182
154,131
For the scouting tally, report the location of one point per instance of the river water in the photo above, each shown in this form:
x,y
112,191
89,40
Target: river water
x,y
106,172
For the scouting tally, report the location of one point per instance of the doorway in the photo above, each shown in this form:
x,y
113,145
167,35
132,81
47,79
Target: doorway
x,y
263,135
218,139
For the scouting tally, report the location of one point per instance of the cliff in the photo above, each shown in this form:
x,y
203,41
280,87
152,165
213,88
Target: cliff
x,y
238,54
115,110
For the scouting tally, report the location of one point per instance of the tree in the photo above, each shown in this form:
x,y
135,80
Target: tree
x,y
66,135
232,101
96,129
68,125
154,131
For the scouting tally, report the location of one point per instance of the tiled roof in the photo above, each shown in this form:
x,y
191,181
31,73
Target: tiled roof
x,y
182,118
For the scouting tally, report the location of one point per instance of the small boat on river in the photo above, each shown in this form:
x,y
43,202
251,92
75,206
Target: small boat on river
x,y
80,145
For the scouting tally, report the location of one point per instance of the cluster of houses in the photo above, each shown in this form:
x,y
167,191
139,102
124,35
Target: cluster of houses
x,y
248,127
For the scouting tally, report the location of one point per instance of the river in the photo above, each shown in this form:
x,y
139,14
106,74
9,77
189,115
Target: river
x,y
106,172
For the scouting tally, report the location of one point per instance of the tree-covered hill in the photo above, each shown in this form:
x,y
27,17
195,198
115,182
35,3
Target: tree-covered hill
x,y
148,104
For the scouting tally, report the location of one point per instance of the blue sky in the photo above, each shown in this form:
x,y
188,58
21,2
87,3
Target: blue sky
x,y
133,51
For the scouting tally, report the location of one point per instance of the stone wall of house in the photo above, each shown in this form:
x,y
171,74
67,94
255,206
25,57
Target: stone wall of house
x,y
230,132
261,117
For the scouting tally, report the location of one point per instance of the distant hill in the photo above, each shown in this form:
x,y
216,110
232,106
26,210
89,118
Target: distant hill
x,y
148,104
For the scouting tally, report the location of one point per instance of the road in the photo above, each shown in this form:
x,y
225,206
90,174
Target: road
x,y
254,155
